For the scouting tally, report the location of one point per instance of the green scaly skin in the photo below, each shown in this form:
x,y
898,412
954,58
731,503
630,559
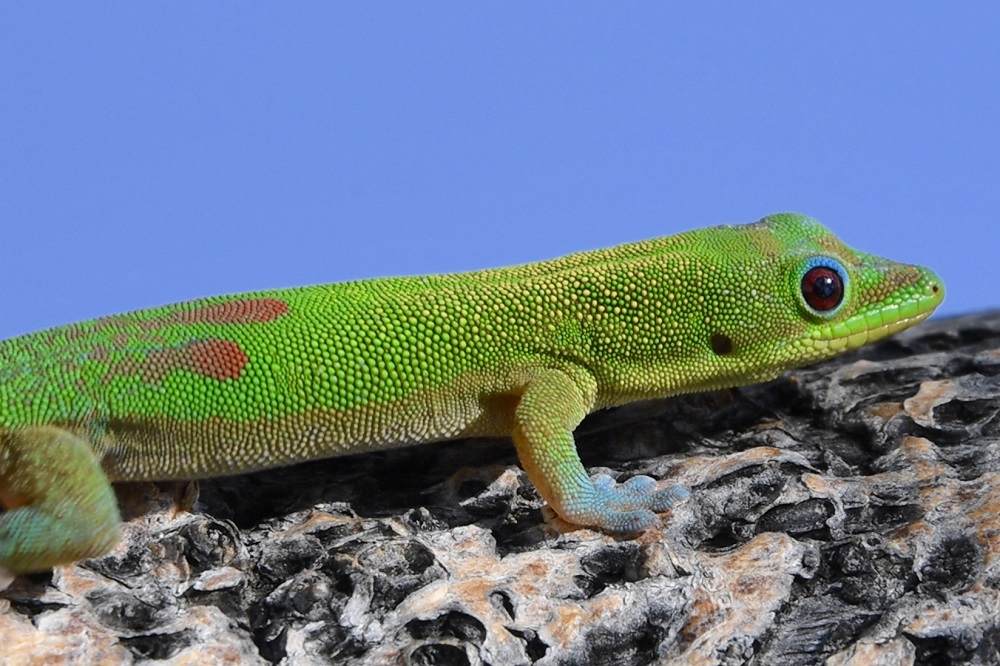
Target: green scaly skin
x,y
232,384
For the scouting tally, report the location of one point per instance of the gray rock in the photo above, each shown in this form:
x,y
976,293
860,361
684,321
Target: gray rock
x,y
844,514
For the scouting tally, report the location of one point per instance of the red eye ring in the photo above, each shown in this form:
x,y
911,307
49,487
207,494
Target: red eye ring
x,y
822,288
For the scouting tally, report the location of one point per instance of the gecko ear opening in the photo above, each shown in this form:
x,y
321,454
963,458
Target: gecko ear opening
x,y
722,345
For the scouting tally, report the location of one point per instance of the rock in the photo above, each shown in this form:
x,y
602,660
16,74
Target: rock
x,y
844,514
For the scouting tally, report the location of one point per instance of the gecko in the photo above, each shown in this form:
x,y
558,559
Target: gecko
x,y
239,383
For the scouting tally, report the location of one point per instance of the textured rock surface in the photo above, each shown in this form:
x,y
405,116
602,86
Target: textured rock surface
x,y
847,513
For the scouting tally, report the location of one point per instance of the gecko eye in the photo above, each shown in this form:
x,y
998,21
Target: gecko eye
x,y
823,286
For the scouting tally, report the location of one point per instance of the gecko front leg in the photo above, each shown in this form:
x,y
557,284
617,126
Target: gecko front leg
x,y
551,405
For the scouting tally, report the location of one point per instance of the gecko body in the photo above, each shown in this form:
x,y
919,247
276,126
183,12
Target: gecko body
x,y
233,384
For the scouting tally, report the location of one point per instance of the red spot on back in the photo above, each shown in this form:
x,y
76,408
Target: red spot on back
x,y
245,311
213,357
218,359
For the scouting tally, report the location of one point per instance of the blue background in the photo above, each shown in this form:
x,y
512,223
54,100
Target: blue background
x,y
151,153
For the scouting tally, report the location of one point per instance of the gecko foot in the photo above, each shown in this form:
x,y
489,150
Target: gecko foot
x,y
624,507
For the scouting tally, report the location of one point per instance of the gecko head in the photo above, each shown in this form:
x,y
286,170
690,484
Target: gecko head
x,y
736,304
825,298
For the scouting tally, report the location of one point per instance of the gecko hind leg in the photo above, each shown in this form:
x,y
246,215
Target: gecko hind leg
x,y
60,504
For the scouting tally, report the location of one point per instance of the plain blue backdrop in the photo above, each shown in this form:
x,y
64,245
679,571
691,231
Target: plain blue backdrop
x,y
152,153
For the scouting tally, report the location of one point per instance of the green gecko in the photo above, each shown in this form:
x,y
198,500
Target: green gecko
x,y
232,384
